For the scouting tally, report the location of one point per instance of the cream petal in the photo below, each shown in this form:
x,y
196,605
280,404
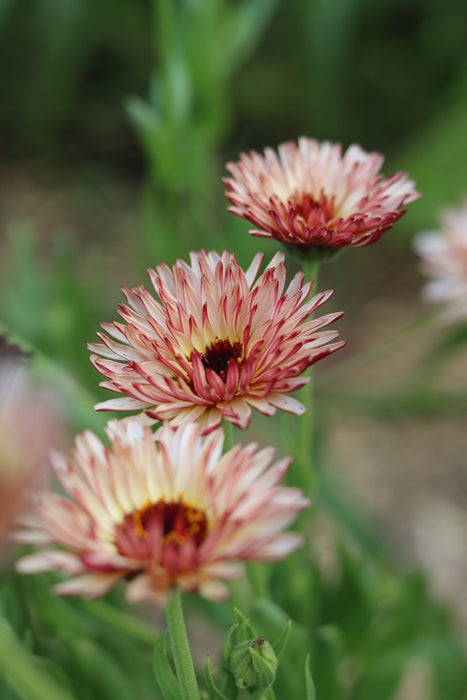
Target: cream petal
x,y
48,561
89,585
287,403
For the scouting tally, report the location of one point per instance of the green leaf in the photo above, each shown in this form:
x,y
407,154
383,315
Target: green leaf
x,y
452,339
281,642
143,115
125,623
179,83
246,631
163,671
100,669
265,669
332,635
228,641
269,612
22,670
227,679
309,685
251,18
447,154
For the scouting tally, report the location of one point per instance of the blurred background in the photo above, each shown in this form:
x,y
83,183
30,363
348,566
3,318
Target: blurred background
x,y
117,119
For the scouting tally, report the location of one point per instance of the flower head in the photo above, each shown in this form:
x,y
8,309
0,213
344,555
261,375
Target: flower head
x,y
313,197
444,259
161,510
215,344
28,427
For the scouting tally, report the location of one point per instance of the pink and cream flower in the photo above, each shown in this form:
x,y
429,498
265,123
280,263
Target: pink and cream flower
x,y
313,197
444,259
216,344
161,511
29,426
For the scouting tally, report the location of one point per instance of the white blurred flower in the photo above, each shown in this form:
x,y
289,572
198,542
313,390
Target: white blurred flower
x,y
444,259
28,427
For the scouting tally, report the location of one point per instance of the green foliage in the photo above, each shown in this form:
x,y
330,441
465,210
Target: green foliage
x,y
47,305
225,75
77,648
364,625
199,46
310,686
164,671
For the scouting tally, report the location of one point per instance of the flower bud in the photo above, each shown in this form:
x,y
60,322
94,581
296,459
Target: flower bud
x,y
253,663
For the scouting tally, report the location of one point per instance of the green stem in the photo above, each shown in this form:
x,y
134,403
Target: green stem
x,y
305,452
180,647
228,440
311,270
257,578
19,668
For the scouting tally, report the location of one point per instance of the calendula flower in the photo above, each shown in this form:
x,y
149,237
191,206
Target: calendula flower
x,y
315,198
28,427
444,258
161,511
215,344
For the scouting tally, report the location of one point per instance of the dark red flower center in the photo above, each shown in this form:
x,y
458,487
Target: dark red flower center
x,y
157,526
312,211
220,354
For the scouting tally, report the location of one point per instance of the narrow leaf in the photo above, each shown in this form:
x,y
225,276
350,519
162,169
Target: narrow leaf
x,y
309,685
245,625
232,690
264,668
163,672
228,641
281,642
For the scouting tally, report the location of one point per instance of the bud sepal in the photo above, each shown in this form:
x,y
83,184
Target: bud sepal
x,y
251,659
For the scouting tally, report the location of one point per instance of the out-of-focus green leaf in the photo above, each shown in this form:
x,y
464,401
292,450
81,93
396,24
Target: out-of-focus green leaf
x,y
125,622
452,339
436,157
309,685
280,644
103,673
341,504
416,401
247,22
23,672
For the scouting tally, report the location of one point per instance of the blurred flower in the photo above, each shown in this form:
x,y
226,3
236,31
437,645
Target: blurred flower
x,y
314,198
161,510
216,344
11,353
28,427
444,259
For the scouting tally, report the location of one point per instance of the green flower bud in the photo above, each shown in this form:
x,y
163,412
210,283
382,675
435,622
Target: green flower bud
x,y
253,664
